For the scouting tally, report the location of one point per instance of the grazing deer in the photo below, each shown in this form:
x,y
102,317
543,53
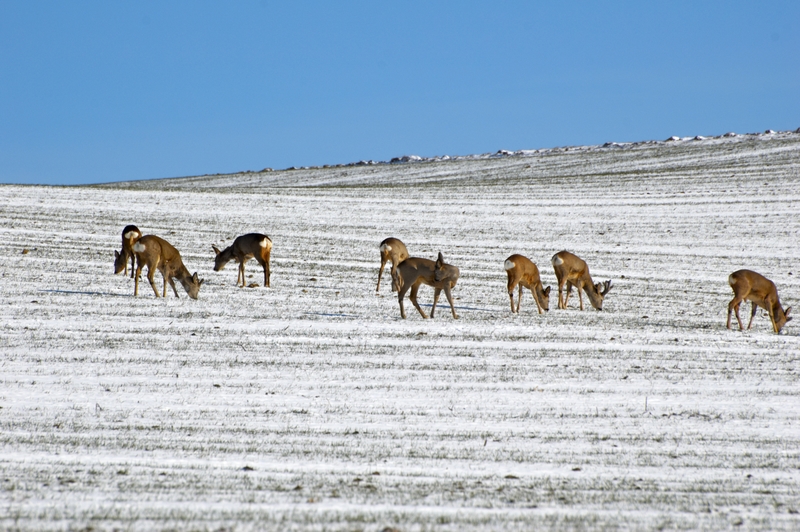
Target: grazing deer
x,y
157,253
751,286
521,271
393,250
573,271
130,235
245,247
414,271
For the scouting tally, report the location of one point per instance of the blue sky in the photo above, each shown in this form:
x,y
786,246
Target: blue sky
x,y
105,91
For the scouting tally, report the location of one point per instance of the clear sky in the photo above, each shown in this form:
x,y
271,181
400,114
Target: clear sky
x,y
106,91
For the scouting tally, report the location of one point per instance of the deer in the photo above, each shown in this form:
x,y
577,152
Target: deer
x,y
414,271
156,253
571,270
245,247
751,286
523,272
130,234
392,250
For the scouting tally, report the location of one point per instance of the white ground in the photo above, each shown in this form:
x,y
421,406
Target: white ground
x,y
312,406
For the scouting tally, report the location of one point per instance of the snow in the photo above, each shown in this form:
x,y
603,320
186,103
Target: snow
x,y
312,406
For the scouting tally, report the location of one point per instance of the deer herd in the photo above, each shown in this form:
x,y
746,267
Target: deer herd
x,y
409,273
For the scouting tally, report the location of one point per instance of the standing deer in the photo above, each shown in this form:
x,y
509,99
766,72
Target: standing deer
x,y
245,247
393,250
157,253
130,235
573,271
751,286
523,272
414,271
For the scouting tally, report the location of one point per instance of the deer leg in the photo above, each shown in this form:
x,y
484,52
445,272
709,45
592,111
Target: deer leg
x,y
772,318
579,288
172,284
133,263
136,282
395,288
380,273
734,306
536,299
519,298
730,311
241,274
413,297
569,293
770,305
510,288
752,315
164,292
533,295
738,319
450,300
436,293
560,295
400,295
265,265
151,276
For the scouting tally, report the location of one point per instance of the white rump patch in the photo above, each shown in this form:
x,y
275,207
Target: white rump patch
x,y
557,260
509,265
731,280
386,247
138,247
264,243
132,234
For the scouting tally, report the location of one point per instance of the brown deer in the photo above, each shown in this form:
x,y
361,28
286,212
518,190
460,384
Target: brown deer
x,y
573,271
414,271
393,250
523,272
157,253
130,235
751,286
245,247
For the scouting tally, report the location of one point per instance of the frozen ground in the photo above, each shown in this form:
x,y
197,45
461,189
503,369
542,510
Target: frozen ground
x,y
312,406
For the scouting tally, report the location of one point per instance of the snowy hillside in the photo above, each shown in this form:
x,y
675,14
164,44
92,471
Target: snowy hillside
x,y
311,405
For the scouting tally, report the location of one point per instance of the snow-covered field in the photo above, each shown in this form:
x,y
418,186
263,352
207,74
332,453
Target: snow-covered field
x,y
312,406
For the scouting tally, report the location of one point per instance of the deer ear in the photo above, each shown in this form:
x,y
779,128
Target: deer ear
x,y
216,249
440,260
116,254
194,278
547,291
